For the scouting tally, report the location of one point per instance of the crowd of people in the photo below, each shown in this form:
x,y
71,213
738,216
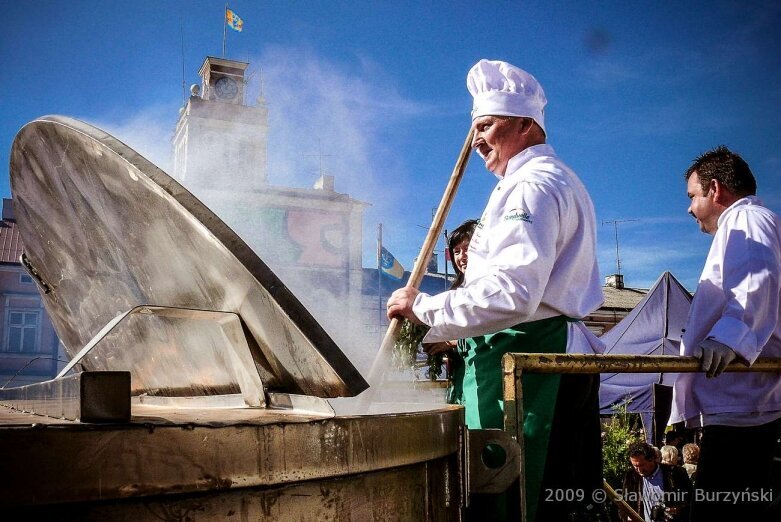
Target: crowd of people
x,y
529,275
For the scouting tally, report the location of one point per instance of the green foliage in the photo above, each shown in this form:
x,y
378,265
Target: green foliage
x,y
619,433
436,366
408,346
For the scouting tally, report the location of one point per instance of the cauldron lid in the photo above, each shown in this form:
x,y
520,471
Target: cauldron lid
x,y
107,231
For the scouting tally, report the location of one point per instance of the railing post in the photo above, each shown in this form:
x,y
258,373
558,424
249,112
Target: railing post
x,y
515,364
513,419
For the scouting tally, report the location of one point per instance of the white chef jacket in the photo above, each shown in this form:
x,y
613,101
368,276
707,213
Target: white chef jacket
x,y
737,304
531,257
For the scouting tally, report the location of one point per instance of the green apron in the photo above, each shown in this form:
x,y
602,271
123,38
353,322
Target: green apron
x,y
477,385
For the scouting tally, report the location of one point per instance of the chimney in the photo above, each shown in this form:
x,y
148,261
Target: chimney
x,y
615,280
8,210
325,183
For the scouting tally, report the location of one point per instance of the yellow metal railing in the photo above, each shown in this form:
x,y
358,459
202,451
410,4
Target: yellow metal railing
x,y
514,365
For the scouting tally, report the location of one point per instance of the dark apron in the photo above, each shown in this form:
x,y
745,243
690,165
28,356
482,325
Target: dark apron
x,y
477,385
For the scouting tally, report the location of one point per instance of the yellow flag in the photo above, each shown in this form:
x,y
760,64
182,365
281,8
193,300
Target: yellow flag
x,y
233,20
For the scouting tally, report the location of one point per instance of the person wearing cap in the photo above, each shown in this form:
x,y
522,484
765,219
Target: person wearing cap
x,y
735,316
532,275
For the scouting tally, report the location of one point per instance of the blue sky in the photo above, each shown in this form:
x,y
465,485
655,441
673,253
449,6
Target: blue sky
x,y
635,91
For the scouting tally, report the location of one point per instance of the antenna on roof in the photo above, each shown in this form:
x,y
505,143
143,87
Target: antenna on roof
x,y
184,89
320,157
615,223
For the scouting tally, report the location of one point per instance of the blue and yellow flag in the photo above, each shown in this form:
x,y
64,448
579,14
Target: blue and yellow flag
x,y
390,265
233,20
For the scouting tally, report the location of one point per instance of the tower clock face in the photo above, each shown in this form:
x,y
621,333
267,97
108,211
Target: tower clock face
x,y
226,88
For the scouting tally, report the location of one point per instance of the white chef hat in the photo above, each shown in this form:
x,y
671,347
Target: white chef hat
x,y
502,89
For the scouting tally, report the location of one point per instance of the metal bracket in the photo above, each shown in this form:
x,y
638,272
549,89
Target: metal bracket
x,y
86,397
302,404
494,460
223,346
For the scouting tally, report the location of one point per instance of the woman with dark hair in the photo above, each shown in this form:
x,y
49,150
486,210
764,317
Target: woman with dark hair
x,y
410,337
457,246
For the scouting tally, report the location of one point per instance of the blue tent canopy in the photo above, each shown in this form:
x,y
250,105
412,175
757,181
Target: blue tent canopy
x,y
653,327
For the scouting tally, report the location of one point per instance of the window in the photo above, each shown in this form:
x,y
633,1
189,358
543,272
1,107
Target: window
x,y
25,279
22,328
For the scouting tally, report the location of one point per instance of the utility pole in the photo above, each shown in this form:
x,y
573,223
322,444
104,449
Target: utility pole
x,y
615,223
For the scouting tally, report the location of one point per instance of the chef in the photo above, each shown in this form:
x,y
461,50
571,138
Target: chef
x,y
532,275
735,315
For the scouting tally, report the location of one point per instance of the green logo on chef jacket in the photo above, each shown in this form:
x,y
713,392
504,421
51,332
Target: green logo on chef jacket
x,y
518,214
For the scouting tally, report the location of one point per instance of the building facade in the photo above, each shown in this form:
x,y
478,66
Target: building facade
x,y
30,350
310,237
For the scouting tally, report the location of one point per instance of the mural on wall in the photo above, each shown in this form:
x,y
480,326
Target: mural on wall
x,y
307,248
303,237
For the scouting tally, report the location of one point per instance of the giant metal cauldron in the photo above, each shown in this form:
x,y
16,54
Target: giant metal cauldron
x,y
201,383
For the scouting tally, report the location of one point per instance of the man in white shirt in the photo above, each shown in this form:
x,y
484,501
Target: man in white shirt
x,y
532,274
735,315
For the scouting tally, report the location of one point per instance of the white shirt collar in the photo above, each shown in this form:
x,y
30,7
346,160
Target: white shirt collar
x,y
517,161
747,200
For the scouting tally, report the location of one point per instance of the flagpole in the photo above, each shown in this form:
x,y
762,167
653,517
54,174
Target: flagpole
x,y
446,256
224,29
184,90
379,275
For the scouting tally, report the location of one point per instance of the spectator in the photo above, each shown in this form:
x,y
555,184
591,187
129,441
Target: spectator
x,y
691,454
674,438
670,455
658,492
458,248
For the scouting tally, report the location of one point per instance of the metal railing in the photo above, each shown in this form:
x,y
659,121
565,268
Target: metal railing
x,y
514,365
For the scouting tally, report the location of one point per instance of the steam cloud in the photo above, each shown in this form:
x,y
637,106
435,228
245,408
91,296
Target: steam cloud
x,y
315,107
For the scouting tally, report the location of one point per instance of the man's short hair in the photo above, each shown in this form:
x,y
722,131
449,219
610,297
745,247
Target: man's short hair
x,y
671,437
728,168
638,449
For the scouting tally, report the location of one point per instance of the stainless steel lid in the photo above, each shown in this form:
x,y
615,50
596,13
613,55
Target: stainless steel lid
x,y
108,231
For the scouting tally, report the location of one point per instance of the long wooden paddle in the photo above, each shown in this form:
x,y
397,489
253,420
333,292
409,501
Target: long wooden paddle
x,y
379,366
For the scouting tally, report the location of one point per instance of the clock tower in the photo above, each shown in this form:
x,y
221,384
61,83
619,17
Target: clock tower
x,y
310,237
219,140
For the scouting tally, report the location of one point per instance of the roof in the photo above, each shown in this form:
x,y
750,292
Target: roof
x,y
623,298
10,242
